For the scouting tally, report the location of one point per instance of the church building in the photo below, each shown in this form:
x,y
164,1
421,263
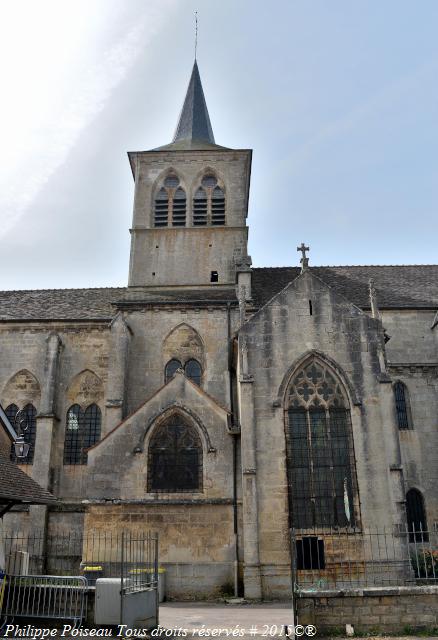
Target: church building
x,y
218,403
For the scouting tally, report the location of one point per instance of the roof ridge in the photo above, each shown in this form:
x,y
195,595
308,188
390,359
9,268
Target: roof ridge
x,y
348,266
63,289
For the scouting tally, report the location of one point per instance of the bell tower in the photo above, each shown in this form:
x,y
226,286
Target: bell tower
x,y
190,205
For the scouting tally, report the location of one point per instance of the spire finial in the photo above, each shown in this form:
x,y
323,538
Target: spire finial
x,y
196,32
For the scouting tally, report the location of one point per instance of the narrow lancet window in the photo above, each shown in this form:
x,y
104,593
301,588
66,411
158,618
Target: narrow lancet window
x,y
179,208
161,208
200,208
402,406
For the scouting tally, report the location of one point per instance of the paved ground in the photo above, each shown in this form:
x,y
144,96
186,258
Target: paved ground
x,y
255,620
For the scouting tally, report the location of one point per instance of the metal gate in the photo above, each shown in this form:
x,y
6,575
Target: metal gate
x,y
139,580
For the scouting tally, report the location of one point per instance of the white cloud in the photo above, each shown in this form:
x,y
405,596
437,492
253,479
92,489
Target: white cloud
x,y
60,63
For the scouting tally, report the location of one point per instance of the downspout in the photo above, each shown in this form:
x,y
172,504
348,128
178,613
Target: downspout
x,y
234,436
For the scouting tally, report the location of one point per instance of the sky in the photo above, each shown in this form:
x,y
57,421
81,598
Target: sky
x,y
338,100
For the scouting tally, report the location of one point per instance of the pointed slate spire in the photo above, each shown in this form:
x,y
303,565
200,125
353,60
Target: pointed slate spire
x,y
194,122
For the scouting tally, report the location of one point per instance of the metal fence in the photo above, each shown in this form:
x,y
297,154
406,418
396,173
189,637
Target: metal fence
x,y
326,559
47,576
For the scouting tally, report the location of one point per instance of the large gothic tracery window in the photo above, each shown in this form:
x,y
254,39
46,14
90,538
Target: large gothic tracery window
x,y
320,454
175,457
82,430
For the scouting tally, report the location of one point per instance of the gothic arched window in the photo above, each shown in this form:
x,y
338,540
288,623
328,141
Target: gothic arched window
x,y
209,203
218,207
179,208
82,430
170,204
416,516
175,458
193,371
29,425
171,368
200,208
402,408
320,454
161,208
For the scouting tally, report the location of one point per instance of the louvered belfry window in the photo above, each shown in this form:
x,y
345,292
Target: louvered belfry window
x,y
200,208
82,430
402,406
161,208
175,458
170,204
320,453
29,433
209,203
179,208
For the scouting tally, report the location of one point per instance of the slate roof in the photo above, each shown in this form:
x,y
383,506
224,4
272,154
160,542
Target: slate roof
x,y
95,304
397,287
16,486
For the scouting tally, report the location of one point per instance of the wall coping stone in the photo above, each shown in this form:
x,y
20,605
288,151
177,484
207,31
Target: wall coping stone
x,y
413,590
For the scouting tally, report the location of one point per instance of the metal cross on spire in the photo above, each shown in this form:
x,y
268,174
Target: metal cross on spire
x,y
304,260
196,33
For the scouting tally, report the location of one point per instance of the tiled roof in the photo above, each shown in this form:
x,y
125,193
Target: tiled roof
x,y
59,304
396,286
17,486
401,287
95,304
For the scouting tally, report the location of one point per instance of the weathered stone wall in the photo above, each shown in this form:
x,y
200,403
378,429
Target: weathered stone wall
x,y
277,338
196,545
187,255
412,355
376,610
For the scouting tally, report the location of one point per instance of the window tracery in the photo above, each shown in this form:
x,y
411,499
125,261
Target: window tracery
x,y
321,466
209,203
170,204
175,457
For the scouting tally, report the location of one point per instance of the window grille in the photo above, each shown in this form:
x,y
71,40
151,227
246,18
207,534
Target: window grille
x,y
218,207
310,553
82,431
175,458
161,208
401,406
171,368
200,208
416,516
193,371
179,208
321,465
29,434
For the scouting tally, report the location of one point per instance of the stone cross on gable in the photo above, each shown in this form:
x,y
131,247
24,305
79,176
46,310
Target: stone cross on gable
x,y
304,260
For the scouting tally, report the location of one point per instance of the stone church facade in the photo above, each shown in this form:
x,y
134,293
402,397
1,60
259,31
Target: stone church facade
x,y
218,403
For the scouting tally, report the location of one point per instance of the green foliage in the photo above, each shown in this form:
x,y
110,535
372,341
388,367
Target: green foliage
x,y
425,563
